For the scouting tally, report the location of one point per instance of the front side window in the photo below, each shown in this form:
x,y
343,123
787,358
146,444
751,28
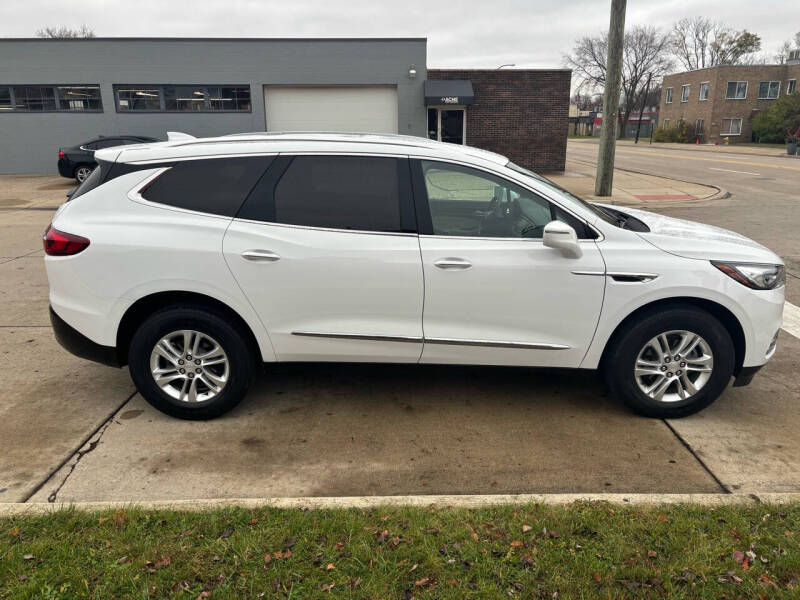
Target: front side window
x,y
736,90
685,90
769,90
472,203
340,192
704,91
731,126
669,96
217,186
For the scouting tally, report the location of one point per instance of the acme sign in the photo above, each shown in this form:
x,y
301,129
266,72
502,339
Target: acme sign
x,y
449,99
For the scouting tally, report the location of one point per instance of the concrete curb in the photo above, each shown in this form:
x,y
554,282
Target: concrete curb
x,y
693,148
439,501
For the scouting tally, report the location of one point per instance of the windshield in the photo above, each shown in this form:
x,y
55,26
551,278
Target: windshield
x,y
608,218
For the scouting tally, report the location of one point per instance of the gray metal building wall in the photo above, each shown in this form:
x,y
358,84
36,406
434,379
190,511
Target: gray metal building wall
x,y
29,141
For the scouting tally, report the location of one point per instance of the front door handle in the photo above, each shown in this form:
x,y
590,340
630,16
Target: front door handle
x,y
453,263
260,256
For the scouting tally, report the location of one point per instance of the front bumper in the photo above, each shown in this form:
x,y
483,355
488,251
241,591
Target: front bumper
x,y
745,376
79,345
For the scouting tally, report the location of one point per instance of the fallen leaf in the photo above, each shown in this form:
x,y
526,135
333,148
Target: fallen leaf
x,y
327,587
526,528
765,579
395,542
597,577
122,560
279,554
381,535
253,521
414,568
291,542
268,558
119,517
516,544
355,583
738,556
662,518
422,582
28,557
226,533
339,545
102,520
163,562
14,532
652,554
330,567
204,594
287,554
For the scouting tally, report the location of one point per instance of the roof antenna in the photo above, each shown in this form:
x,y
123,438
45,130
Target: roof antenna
x,y
179,135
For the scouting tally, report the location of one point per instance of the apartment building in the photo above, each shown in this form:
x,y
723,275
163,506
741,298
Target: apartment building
x,y
721,102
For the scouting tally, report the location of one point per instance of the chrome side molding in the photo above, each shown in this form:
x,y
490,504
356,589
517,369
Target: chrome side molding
x,y
622,277
427,340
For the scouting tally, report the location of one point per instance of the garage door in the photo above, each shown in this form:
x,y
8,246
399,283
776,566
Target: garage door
x,y
331,108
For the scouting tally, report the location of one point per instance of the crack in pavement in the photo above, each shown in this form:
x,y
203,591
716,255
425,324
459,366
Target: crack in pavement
x,y
97,434
725,489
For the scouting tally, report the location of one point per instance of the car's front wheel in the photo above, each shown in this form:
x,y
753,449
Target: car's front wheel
x,y
671,363
82,172
191,363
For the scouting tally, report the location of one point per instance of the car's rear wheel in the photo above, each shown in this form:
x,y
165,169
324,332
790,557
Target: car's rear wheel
x,y
671,363
191,363
82,172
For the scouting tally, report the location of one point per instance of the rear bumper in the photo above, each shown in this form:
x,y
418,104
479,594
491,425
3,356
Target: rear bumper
x,y
79,345
66,168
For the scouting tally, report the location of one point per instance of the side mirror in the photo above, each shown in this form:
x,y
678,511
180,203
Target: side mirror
x,y
562,237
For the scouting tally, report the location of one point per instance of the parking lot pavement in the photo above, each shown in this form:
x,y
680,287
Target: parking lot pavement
x,y
329,430
355,429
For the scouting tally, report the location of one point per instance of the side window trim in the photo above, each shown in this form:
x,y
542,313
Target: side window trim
x,y
259,206
425,220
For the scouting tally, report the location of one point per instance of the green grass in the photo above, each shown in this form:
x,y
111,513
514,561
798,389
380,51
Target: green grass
x,y
579,551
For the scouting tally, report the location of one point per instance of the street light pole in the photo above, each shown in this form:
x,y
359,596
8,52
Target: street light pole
x,y
608,132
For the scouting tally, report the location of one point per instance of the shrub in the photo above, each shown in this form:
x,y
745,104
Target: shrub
x,y
772,124
682,132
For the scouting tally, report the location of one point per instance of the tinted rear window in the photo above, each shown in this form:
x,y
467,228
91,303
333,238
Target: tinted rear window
x,y
340,192
217,186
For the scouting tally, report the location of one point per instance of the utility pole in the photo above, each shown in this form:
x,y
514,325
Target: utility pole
x,y
608,132
641,112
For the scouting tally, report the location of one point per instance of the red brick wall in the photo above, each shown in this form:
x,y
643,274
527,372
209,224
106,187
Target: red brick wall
x,y
522,114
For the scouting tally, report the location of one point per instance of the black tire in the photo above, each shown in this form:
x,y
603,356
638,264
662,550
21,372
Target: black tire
x,y
620,361
242,360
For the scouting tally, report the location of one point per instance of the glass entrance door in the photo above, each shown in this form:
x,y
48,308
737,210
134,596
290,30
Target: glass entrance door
x,y
447,125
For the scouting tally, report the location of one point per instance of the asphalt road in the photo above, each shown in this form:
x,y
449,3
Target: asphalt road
x,y
765,193
74,431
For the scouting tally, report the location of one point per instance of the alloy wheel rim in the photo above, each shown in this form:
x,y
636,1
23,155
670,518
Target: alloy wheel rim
x,y
189,366
674,366
83,173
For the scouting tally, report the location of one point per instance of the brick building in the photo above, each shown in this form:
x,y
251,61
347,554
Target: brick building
x,y
522,114
721,101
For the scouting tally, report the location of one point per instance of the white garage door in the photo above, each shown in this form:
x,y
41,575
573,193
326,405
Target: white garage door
x,y
370,109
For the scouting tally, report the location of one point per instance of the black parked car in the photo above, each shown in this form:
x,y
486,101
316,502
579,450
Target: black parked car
x,y
78,161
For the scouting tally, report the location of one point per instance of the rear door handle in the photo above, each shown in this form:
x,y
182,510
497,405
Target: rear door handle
x,y
453,263
260,256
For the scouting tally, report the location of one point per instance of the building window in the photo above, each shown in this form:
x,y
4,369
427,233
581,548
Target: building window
x,y
666,123
769,90
704,91
79,97
685,92
790,85
732,126
737,90
50,98
699,125
136,98
182,98
669,96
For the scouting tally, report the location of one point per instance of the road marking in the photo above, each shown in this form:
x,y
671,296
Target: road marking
x,y
732,171
791,319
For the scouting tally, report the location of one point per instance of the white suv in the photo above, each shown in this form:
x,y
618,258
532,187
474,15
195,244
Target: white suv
x,y
195,260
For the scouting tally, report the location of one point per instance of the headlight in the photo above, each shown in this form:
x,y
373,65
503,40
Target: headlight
x,y
754,276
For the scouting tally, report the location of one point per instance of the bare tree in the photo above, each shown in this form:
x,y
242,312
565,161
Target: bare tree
x,y
62,32
645,50
698,42
785,47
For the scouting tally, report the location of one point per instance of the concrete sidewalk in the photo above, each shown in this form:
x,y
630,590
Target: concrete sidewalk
x,y
766,150
634,189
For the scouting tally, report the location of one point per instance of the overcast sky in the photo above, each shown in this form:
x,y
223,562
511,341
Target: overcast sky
x,y
461,33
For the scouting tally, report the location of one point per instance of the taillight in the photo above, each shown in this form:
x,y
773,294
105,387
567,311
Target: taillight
x,y
58,243
61,154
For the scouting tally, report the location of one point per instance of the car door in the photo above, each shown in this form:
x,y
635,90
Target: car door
x,y
326,250
494,294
